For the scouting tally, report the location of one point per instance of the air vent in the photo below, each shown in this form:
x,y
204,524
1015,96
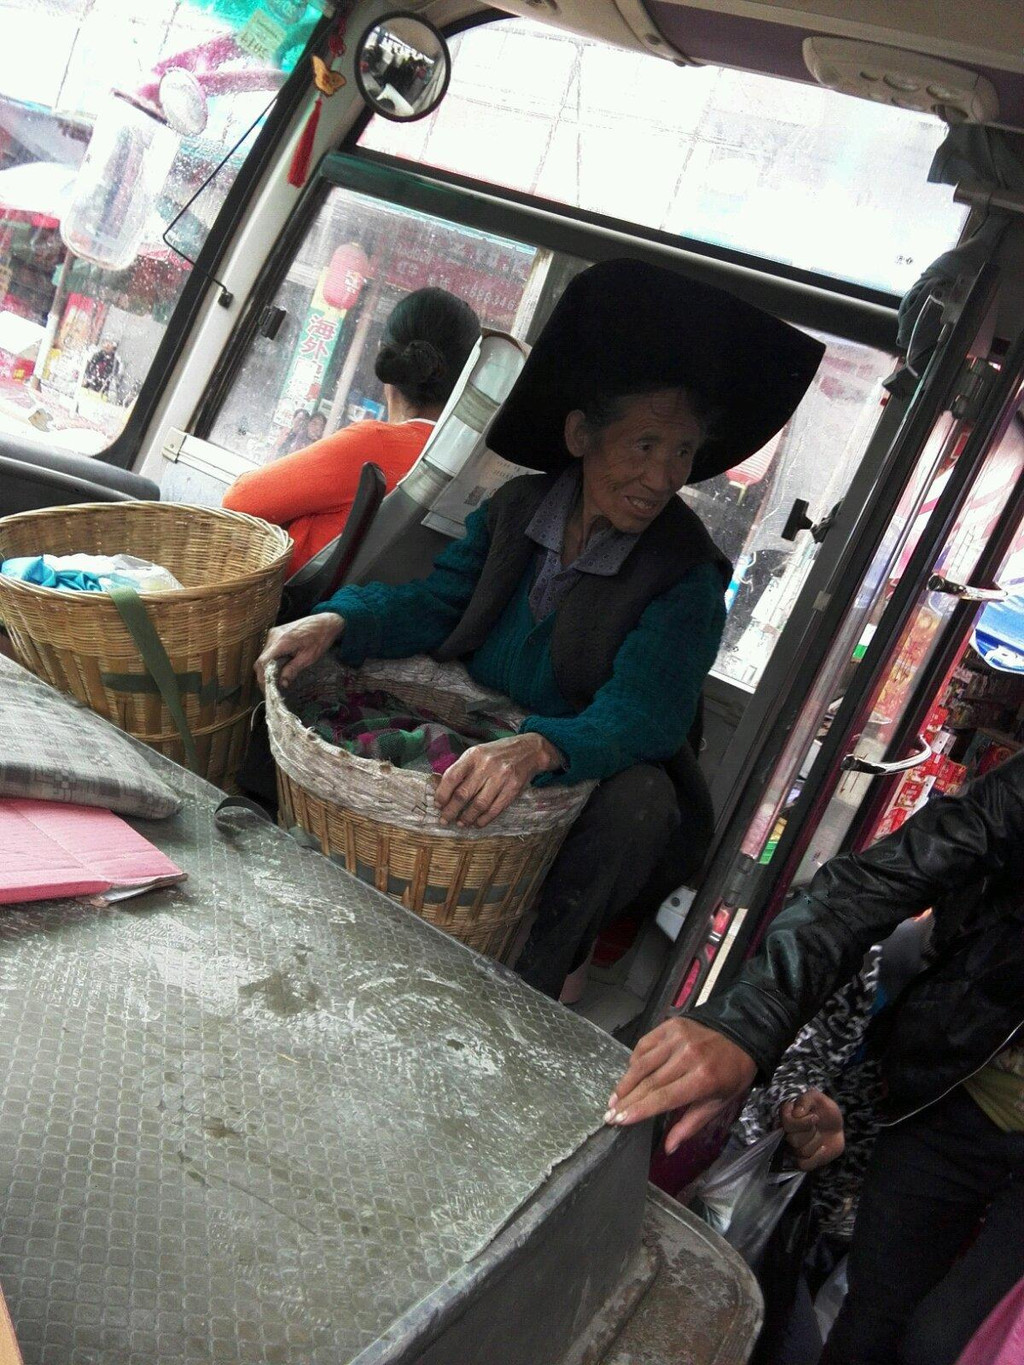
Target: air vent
x,y
907,80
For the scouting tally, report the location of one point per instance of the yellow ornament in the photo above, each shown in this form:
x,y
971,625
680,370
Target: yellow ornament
x,y
328,82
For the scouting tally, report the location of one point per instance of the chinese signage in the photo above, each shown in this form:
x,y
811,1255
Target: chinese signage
x,y
489,275
310,359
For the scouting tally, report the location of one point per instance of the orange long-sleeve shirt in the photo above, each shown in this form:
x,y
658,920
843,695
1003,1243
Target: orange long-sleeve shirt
x,y
311,492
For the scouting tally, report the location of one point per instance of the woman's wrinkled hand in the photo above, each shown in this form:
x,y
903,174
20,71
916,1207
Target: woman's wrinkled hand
x,y
486,779
681,1065
813,1124
301,642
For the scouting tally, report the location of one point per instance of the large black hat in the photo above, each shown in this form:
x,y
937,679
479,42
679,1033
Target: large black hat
x,y
623,322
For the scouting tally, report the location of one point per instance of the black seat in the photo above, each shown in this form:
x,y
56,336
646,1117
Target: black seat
x,y
320,576
33,477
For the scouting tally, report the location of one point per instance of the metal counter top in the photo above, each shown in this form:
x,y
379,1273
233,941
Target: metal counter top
x,y
258,1117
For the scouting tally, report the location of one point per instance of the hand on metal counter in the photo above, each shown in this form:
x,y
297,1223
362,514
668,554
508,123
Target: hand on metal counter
x,y
488,778
681,1065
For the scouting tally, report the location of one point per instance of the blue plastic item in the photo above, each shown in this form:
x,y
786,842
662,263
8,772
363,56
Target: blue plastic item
x,y
34,569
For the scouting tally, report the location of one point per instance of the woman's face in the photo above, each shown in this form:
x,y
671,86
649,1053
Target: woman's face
x,y
635,464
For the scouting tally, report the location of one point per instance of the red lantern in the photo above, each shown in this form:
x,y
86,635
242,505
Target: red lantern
x,y
346,276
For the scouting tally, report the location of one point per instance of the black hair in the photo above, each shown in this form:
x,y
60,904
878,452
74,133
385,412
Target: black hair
x,y
603,406
427,340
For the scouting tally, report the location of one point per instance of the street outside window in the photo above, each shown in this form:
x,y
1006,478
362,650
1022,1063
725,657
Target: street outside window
x,y
79,328
358,259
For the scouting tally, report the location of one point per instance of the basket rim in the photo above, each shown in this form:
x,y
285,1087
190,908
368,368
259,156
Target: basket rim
x,y
371,766
177,595
415,785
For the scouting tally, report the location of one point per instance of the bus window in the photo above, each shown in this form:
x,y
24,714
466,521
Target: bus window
x,y
359,257
77,338
746,509
791,173
319,360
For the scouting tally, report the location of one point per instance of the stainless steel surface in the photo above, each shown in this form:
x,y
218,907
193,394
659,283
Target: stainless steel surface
x,y
262,1116
703,1306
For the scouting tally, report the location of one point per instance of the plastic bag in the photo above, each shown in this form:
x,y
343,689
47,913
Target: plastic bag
x,y
829,1299
140,574
789,1332
742,1198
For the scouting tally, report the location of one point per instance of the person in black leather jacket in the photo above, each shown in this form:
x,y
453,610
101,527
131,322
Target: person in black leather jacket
x,y
952,1151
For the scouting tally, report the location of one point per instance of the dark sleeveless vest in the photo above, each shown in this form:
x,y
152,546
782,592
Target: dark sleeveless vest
x,y
598,612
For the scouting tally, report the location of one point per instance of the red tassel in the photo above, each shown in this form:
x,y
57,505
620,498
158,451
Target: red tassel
x,y
303,155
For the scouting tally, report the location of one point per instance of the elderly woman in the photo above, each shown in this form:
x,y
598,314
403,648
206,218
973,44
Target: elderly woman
x,y
592,596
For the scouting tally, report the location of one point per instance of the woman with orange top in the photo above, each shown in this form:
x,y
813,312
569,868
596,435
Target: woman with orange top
x,y
426,342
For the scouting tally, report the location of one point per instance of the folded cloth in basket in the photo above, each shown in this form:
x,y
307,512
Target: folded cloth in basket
x,y
380,726
53,749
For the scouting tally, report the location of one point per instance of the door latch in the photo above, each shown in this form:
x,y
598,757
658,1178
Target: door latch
x,y
798,521
976,379
270,321
852,764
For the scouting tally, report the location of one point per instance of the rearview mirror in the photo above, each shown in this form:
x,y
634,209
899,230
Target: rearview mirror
x,y
402,67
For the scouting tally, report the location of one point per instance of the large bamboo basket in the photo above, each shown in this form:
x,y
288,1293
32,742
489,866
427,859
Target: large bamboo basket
x,y
380,822
232,567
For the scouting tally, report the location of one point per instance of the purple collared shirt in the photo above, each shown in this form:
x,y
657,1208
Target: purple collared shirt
x,y
604,553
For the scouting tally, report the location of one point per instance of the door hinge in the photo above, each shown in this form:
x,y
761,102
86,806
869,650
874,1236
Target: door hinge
x,y
972,388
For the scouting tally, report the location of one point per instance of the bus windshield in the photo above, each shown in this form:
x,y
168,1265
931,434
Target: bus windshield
x,y
790,173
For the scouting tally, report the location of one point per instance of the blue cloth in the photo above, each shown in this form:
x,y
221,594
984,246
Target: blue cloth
x,y
33,569
641,715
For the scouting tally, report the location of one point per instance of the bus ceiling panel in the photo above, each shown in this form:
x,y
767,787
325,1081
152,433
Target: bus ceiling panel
x,y
986,38
767,35
985,32
800,298
622,23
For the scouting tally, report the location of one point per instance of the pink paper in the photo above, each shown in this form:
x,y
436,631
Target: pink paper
x,y
49,849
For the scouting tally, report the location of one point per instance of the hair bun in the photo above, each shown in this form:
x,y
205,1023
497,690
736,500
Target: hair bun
x,y
427,338
414,363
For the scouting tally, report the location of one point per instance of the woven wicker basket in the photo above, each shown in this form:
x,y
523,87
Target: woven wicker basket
x,y
232,567
380,822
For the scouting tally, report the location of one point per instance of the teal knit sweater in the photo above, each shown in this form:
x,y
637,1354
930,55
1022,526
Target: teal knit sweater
x,y
642,714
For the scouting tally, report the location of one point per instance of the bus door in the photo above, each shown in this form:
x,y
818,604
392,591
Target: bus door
x,y
860,732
